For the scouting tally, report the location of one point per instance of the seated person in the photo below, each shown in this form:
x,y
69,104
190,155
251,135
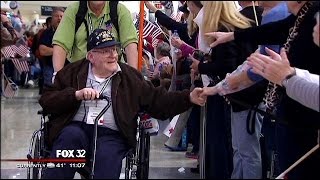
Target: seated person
x,y
34,72
73,102
162,59
166,75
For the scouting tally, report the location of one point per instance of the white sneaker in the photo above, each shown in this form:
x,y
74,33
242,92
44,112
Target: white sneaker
x,y
30,83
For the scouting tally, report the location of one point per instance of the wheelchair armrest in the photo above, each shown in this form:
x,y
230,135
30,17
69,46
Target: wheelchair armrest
x,y
42,112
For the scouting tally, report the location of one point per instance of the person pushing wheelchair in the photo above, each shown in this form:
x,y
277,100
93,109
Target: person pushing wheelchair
x,y
73,101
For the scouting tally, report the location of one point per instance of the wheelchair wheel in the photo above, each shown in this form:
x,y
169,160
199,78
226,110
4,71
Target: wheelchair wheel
x,y
36,171
130,168
143,155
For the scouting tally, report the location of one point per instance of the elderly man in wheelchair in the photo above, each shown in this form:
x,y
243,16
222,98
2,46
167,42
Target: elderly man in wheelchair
x,y
82,90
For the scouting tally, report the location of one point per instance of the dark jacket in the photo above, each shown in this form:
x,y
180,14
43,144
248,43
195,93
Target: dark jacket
x,y
130,94
46,39
302,55
172,25
183,66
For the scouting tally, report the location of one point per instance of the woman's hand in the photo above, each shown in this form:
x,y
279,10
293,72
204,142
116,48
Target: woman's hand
x,y
196,98
176,42
274,68
220,37
150,6
209,91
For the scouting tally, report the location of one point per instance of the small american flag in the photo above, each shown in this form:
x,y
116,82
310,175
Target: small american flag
x,y
176,16
21,50
7,52
21,65
10,90
155,42
149,29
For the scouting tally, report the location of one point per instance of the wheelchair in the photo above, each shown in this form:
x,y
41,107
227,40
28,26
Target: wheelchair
x,y
136,163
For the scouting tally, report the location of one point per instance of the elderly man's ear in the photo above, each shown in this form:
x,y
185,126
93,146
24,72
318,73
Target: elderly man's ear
x,y
89,56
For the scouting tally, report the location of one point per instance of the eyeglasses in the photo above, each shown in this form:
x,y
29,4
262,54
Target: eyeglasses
x,y
108,51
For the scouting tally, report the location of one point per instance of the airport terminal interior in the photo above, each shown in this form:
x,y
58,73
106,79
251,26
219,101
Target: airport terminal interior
x,y
255,105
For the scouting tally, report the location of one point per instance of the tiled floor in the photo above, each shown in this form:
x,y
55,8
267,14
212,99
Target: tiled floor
x,y
19,120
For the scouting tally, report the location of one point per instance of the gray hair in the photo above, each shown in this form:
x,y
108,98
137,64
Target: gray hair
x,y
56,9
163,49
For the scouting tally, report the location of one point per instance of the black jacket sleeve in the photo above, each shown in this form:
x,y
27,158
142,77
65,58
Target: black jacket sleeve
x,y
172,25
223,60
270,33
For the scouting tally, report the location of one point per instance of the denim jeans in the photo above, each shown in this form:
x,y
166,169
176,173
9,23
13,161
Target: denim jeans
x,y
47,75
247,163
34,72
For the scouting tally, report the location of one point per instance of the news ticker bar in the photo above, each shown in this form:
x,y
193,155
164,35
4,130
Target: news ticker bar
x,y
56,160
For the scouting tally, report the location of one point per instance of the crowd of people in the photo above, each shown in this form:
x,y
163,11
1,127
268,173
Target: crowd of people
x,y
254,69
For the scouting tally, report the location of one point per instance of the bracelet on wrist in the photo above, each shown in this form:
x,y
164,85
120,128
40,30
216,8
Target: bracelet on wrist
x,y
286,79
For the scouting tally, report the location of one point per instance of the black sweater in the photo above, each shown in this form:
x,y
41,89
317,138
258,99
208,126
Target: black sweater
x,y
172,25
302,54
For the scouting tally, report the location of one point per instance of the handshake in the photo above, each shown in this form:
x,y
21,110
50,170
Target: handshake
x,y
199,95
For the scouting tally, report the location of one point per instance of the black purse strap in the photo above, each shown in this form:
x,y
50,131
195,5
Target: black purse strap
x,y
251,120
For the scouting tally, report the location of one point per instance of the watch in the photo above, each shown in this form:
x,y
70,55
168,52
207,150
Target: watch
x,y
286,79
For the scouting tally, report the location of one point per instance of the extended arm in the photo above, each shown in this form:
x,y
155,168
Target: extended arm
x,y
270,33
45,50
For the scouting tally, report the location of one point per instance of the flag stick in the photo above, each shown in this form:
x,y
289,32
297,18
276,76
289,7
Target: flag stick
x,y
281,176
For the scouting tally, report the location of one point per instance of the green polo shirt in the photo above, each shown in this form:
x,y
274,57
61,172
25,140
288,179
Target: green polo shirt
x,y
76,44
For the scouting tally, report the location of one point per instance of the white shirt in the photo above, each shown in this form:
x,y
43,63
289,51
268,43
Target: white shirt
x,y
202,44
